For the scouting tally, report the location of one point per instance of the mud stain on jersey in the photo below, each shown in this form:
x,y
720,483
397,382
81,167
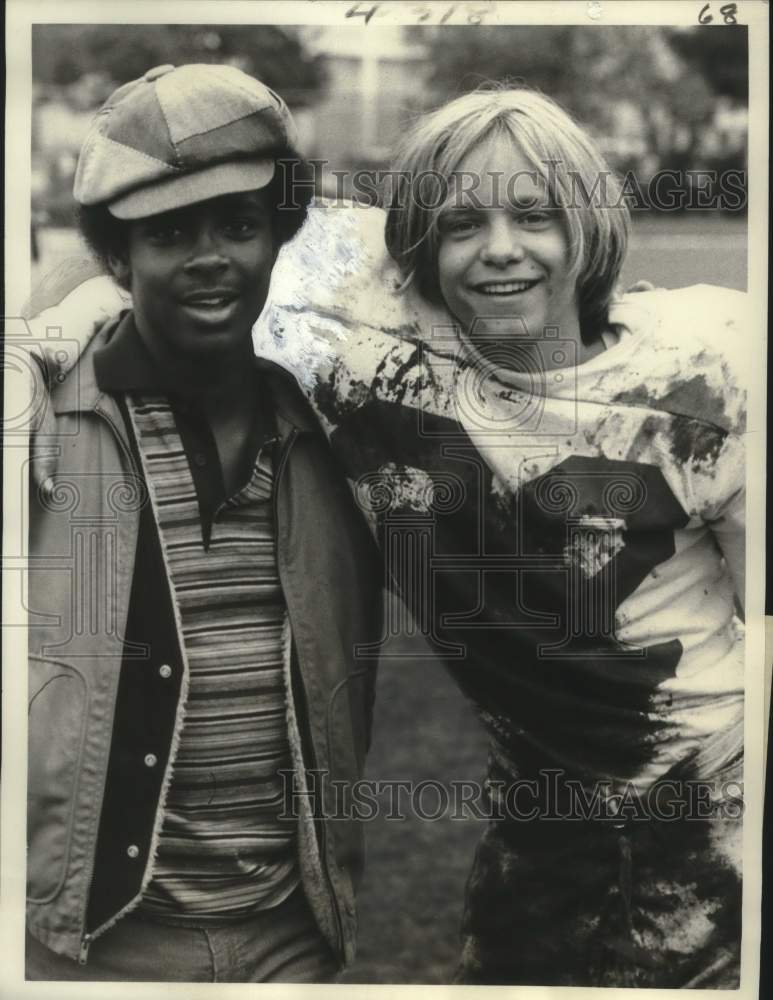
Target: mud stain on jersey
x,y
394,386
692,397
333,404
696,442
645,436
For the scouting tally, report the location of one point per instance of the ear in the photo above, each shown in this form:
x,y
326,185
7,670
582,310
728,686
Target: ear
x,y
121,270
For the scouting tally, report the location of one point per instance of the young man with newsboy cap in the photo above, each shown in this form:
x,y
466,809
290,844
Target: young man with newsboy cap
x,y
186,655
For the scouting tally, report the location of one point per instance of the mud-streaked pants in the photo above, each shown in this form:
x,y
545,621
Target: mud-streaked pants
x,y
586,903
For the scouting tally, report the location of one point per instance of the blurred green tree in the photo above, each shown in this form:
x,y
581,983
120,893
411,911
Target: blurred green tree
x,y
65,53
721,56
668,77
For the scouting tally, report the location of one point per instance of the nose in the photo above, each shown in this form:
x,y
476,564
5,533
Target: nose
x,y
207,254
503,243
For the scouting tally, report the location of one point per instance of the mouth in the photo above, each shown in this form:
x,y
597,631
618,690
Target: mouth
x,y
212,307
505,288
213,298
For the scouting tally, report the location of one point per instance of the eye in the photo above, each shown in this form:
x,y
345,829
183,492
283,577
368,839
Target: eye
x,y
164,233
459,225
536,218
244,227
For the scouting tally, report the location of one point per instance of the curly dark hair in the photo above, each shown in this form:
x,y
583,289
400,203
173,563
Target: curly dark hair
x,y
290,192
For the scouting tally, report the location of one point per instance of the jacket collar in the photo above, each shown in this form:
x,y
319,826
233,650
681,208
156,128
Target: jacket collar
x,y
79,392
290,404
85,387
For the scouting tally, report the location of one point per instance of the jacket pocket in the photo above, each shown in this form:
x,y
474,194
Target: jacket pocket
x,y
349,721
57,699
348,726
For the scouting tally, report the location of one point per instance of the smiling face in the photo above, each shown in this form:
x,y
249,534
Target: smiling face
x,y
199,276
503,251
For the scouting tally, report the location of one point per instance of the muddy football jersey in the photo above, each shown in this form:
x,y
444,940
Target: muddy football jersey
x,y
569,538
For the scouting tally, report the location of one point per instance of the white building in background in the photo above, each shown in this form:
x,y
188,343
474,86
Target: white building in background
x,y
730,128
375,80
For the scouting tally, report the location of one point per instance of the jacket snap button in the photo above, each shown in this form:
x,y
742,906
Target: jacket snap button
x,y
165,671
133,851
151,760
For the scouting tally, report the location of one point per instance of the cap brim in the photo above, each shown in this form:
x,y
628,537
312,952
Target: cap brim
x,y
231,177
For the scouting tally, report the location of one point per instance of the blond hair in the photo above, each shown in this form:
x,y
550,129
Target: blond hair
x,y
577,179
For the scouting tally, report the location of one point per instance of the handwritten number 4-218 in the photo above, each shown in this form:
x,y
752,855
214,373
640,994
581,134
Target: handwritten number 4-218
x,y
470,13
727,11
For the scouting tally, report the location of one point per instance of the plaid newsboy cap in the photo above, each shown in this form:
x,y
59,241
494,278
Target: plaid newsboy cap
x,y
181,135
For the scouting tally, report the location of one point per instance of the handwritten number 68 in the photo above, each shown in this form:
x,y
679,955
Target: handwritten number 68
x,y
728,12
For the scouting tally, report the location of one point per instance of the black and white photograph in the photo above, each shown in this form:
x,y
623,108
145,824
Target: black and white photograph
x,y
383,530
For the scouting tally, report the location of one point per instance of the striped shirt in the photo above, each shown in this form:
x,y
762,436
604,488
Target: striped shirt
x,y
224,851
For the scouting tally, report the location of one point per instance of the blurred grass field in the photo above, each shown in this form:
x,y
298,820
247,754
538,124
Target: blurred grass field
x,y
411,898
687,250
410,902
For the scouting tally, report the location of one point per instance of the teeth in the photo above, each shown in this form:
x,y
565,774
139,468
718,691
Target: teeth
x,y
208,302
506,287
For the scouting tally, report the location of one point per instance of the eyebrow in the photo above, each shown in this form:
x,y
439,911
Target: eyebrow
x,y
453,209
530,201
524,204
252,197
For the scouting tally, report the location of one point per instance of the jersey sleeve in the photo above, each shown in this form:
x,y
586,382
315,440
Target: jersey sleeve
x,y
730,532
58,283
338,318
75,299
724,508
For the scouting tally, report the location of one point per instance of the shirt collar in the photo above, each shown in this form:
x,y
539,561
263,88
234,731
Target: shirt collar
x,y
126,365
